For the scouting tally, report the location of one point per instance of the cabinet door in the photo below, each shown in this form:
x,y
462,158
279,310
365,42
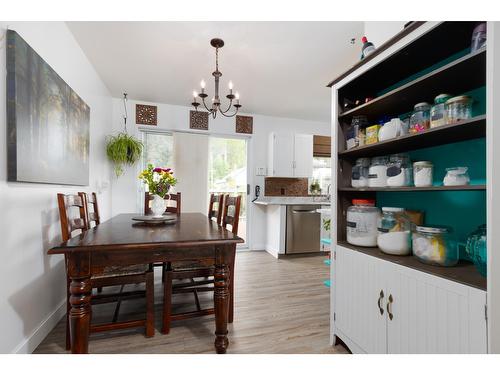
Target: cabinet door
x,y
359,283
281,155
433,315
303,155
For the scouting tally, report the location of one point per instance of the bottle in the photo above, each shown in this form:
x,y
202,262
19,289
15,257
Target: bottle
x,y
368,47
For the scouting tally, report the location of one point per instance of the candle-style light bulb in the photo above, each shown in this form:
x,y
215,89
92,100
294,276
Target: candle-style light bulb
x,y
230,85
237,96
202,83
195,95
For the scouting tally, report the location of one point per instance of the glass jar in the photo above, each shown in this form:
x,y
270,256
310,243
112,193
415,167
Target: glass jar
x,y
394,231
423,173
438,110
355,133
359,173
476,249
399,170
456,176
458,108
362,220
435,245
377,174
420,118
478,37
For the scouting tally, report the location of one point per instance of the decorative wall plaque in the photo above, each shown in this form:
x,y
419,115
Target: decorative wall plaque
x,y
244,124
145,114
198,120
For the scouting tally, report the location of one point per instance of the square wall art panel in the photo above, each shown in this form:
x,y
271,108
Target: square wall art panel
x,y
47,122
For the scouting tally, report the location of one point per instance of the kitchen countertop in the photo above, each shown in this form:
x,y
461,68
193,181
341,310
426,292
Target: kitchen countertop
x,y
267,201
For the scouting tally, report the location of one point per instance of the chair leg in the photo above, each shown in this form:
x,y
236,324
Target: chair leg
x,y
118,305
150,308
167,300
197,300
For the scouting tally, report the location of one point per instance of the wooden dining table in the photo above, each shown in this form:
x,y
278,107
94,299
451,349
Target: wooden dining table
x,y
120,241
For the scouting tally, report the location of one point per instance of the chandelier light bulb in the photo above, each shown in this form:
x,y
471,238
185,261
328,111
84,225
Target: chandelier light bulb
x,y
195,94
237,96
202,83
230,85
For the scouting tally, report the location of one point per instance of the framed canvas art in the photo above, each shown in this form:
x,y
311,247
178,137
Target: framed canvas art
x,y
47,122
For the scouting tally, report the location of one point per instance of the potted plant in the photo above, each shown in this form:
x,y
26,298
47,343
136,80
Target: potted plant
x,y
123,149
159,181
315,187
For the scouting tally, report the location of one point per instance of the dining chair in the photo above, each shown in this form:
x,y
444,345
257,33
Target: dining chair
x,y
176,197
74,218
200,269
215,207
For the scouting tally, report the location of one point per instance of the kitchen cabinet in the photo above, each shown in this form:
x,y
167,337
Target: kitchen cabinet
x,y
384,307
290,155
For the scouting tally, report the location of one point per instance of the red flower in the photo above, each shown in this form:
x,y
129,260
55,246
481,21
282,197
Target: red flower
x,y
157,170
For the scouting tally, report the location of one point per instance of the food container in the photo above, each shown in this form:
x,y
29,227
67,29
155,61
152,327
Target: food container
x,y
372,134
399,170
420,118
458,108
438,110
478,37
394,231
390,130
456,176
476,249
422,173
362,220
435,245
359,173
355,134
377,174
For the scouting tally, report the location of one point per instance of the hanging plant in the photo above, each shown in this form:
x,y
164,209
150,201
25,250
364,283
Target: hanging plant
x,y
123,149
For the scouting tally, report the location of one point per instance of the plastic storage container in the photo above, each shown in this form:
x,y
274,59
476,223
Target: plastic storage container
x,y
435,245
377,173
478,37
394,231
359,173
362,221
399,171
456,176
423,173
420,118
438,110
476,248
355,135
458,108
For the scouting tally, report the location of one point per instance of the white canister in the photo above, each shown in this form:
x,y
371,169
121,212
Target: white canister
x,y
377,173
423,173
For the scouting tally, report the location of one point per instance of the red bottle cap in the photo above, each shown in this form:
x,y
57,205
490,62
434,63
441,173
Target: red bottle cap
x,y
365,202
364,39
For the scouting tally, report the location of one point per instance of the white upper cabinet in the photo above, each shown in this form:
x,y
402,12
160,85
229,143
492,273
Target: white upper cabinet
x,y
290,155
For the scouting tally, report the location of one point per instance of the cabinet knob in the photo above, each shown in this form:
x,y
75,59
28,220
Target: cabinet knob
x,y
389,307
380,297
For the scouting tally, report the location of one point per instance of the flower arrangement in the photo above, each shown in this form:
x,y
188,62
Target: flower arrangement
x,y
159,180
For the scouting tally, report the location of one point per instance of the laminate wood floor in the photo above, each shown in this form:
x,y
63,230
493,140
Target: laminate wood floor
x,y
281,306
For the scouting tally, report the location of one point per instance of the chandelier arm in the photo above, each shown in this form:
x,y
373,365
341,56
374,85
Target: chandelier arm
x,y
228,107
204,105
232,115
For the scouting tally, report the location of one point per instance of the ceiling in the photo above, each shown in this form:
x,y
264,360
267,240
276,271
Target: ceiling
x,y
279,68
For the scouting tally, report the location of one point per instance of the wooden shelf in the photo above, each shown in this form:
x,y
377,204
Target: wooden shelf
x,y
462,131
463,273
414,188
454,78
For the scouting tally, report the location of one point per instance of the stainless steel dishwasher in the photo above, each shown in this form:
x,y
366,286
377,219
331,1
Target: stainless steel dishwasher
x,y
302,229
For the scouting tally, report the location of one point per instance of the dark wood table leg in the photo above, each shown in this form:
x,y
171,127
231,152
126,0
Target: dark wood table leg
x,y
81,310
231,286
221,296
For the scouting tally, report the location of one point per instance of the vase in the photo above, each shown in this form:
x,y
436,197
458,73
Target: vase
x,y
158,205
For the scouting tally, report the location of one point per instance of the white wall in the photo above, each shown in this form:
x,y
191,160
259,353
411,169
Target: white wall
x,y
33,283
379,32
171,117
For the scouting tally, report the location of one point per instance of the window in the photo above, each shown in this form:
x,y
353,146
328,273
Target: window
x,y
322,172
158,149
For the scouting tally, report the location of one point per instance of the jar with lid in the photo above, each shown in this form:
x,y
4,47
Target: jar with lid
x,y
394,231
438,110
456,176
478,37
435,245
420,118
458,108
362,220
377,174
399,170
423,173
359,173
476,248
355,132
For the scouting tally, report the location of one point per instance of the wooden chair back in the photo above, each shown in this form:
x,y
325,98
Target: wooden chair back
x,y
215,207
231,214
174,210
69,205
92,209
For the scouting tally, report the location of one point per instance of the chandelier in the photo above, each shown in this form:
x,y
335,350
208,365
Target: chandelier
x,y
216,103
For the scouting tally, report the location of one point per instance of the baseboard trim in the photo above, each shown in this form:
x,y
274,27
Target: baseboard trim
x,y
29,344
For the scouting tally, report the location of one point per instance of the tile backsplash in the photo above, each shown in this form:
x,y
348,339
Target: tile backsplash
x,y
286,186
